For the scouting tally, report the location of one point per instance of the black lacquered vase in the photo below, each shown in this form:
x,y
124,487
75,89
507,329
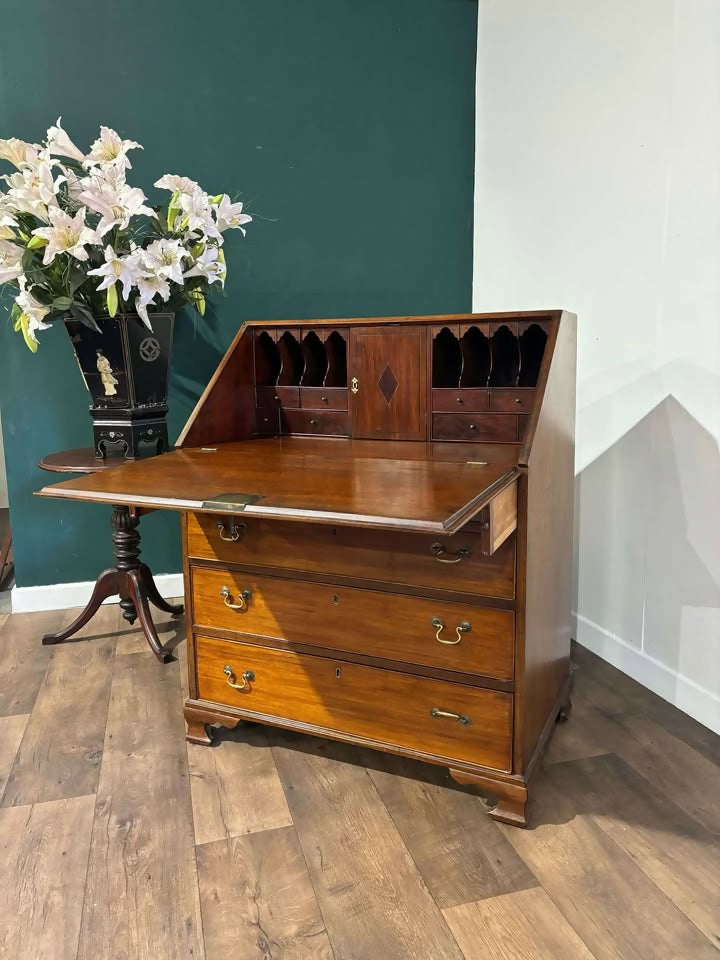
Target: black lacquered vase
x,y
126,369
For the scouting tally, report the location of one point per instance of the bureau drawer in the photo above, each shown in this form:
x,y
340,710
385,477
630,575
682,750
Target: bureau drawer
x,y
499,427
451,636
512,399
278,396
364,702
457,401
404,559
267,420
324,398
326,423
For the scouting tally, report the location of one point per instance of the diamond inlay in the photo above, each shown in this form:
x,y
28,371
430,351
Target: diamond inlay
x,y
388,383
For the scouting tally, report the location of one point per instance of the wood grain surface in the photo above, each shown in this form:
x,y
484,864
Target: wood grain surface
x,y
258,901
44,855
142,895
378,624
352,853
434,496
333,694
516,926
399,559
11,734
62,746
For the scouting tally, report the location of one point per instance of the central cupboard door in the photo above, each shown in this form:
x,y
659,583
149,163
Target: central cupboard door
x,y
388,383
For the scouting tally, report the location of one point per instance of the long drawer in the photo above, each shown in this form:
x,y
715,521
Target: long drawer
x,y
451,636
444,563
433,717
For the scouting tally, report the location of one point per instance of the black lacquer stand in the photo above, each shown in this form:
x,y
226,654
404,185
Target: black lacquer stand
x,y
129,578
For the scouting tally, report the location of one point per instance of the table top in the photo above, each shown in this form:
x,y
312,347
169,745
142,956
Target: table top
x,y
78,461
336,481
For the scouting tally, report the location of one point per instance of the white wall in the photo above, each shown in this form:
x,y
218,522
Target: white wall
x,y
598,190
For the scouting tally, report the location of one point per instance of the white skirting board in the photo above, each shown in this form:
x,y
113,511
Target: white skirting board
x,y
698,702
62,596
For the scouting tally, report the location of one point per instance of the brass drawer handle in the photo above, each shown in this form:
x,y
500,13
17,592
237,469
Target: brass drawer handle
x,y
464,627
236,531
228,599
247,678
462,718
446,556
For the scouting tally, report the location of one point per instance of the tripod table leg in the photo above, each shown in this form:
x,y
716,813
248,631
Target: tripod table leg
x,y
108,584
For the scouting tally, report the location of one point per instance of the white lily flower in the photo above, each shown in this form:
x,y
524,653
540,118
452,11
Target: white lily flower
x,y
198,214
10,261
67,234
7,215
111,148
59,143
128,270
229,215
6,232
209,265
150,287
33,189
34,311
18,152
176,184
164,259
107,193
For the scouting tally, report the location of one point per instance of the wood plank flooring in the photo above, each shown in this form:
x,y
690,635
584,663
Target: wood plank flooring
x,y
120,841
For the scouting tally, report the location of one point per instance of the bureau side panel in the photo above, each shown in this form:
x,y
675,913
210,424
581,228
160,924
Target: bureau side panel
x,y
226,410
546,519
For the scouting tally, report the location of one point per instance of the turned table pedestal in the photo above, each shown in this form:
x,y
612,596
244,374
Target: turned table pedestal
x,y
129,578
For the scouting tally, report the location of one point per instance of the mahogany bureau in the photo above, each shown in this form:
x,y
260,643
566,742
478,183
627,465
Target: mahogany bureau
x,y
377,537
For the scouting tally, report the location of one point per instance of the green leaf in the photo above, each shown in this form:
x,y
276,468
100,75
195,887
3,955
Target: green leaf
x,y
199,300
112,300
62,303
76,277
42,295
35,243
83,315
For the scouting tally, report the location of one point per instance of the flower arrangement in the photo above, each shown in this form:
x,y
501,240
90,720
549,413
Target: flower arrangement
x,y
77,240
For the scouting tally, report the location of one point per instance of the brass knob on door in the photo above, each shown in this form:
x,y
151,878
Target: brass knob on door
x,y
228,599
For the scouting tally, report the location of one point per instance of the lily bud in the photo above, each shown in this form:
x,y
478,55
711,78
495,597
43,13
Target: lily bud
x,y
112,299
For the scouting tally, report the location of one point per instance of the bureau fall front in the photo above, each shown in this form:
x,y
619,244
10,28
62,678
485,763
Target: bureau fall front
x,y
377,536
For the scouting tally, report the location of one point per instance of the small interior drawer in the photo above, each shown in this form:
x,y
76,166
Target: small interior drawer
x,y
437,718
324,398
470,400
512,399
330,423
278,396
267,420
498,427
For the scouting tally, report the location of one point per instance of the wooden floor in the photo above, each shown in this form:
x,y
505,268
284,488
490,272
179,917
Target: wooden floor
x,y
119,840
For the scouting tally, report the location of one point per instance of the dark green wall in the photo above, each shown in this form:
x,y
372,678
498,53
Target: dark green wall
x,y
347,125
